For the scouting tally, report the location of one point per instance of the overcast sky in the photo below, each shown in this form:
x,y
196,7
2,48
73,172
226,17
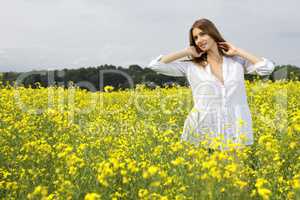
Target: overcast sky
x,y
55,34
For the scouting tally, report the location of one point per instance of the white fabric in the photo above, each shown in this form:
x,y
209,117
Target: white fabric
x,y
218,108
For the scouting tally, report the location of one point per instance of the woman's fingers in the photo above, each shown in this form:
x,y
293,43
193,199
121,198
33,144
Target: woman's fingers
x,y
224,51
227,48
224,47
223,44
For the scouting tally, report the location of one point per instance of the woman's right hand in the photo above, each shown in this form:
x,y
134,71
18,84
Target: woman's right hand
x,y
193,52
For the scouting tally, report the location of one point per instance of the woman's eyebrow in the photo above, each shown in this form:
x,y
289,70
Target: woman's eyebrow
x,y
197,34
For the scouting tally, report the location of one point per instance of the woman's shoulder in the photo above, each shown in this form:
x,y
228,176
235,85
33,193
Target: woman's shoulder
x,y
236,59
195,63
185,62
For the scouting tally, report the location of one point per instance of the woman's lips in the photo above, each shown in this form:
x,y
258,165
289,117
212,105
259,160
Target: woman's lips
x,y
203,46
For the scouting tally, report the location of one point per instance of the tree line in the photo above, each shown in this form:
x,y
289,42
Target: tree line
x,y
96,78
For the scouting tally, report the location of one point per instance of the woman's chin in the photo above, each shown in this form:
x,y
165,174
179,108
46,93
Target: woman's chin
x,y
205,49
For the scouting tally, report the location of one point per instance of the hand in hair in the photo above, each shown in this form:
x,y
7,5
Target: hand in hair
x,y
228,48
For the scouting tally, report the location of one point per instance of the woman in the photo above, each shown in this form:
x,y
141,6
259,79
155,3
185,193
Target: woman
x,y
215,72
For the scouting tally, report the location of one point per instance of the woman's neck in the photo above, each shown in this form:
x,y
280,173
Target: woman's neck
x,y
214,55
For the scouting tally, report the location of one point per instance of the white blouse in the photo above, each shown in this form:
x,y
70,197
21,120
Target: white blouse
x,y
220,111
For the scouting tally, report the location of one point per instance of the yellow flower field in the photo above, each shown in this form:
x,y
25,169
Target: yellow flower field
x,y
73,144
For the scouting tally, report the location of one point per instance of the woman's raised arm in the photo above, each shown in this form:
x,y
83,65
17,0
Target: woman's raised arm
x,y
169,64
256,65
251,63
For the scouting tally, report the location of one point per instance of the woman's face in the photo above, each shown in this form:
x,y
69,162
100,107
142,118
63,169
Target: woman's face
x,y
202,40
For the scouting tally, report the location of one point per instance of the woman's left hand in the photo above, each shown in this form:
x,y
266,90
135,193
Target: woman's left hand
x,y
228,48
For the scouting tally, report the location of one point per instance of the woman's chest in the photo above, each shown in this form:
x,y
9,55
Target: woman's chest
x,y
226,74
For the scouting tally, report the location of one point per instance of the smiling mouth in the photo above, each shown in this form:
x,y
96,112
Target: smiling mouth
x,y
203,46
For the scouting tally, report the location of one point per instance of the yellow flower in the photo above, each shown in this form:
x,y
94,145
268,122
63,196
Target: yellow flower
x,y
162,174
280,179
108,88
168,181
176,147
178,161
163,198
296,183
291,195
82,147
241,122
209,164
92,196
143,192
152,170
39,191
155,184
72,170
253,193
125,180
260,182
297,127
264,193
231,167
115,163
293,145
132,167
123,172
145,174
182,189
215,173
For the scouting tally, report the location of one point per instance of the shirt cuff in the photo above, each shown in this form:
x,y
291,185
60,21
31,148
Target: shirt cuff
x,y
156,61
257,65
261,63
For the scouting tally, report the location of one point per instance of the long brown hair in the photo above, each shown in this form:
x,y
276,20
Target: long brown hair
x,y
209,28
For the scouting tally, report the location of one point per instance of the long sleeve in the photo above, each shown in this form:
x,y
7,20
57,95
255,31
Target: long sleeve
x,y
176,68
262,68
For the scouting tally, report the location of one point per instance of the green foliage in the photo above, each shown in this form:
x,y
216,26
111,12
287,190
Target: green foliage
x,y
135,73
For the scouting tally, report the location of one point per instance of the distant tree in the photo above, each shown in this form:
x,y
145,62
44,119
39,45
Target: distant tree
x,y
135,73
287,72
